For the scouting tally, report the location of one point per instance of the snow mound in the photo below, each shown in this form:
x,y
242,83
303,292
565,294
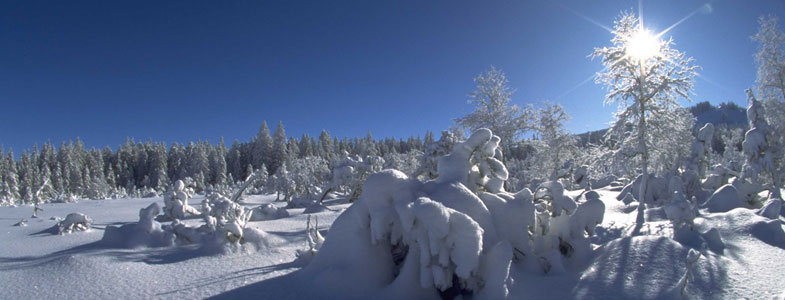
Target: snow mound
x,y
724,199
74,222
268,212
315,208
772,209
145,233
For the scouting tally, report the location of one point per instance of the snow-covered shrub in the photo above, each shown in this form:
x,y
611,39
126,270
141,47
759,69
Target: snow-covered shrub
x,y
314,240
657,190
176,202
681,211
348,175
588,215
732,156
74,222
718,176
308,174
456,234
408,163
147,232
282,183
580,177
225,224
221,208
692,259
64,198
700,155
433,151
268,212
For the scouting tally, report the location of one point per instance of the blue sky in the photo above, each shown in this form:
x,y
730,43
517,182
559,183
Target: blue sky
x,y
187,70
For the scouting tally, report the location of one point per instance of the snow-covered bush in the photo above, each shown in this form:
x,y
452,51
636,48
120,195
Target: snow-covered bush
x,y
433,151
408,163
692,259
348,175
580,177
147,232
308,174
457,233
700,156
74,222
282,183
718,176
657,190
314,240
681,211
176,202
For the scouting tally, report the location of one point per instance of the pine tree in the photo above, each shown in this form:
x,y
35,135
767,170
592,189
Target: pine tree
x,y
262,147
279,153
292,149
305,146
218,164
234,161
325,145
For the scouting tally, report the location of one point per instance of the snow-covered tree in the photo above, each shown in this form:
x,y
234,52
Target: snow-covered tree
x,y
458,234
645,77
309,175
770,59
262,147
279,152
494,110
764,154
326,147
700,157
559,145
217,161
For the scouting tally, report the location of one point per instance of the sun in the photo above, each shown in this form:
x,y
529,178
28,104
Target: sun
x,y
642,45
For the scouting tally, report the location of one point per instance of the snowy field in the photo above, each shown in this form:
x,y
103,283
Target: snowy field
x,y
37,263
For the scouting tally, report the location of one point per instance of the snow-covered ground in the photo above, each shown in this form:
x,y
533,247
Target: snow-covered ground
x,y
37,263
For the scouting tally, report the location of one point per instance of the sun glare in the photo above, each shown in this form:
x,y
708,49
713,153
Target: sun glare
x,y
642,45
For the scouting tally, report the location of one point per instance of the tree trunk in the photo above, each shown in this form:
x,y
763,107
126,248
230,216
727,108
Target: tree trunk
x,y
639,220
321,200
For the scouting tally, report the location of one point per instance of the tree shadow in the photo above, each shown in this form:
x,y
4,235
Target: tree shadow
x,y
289,286
24,262
641,268
238,275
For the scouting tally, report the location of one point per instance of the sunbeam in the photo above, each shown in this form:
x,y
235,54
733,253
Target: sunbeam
x,y
584,81
582,16
685,18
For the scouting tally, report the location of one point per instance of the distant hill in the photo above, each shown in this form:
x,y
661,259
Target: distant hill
x,y
730,114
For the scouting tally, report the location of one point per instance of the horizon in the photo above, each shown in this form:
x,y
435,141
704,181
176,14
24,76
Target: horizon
x,y
171,72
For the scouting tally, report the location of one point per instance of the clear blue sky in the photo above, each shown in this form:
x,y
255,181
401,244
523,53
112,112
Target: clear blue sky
x,y
187,70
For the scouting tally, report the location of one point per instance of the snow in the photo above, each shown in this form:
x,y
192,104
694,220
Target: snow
x,y
459,236
724,199
748,267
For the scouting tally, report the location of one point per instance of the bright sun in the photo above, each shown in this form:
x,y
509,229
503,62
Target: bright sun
x,y
642,45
